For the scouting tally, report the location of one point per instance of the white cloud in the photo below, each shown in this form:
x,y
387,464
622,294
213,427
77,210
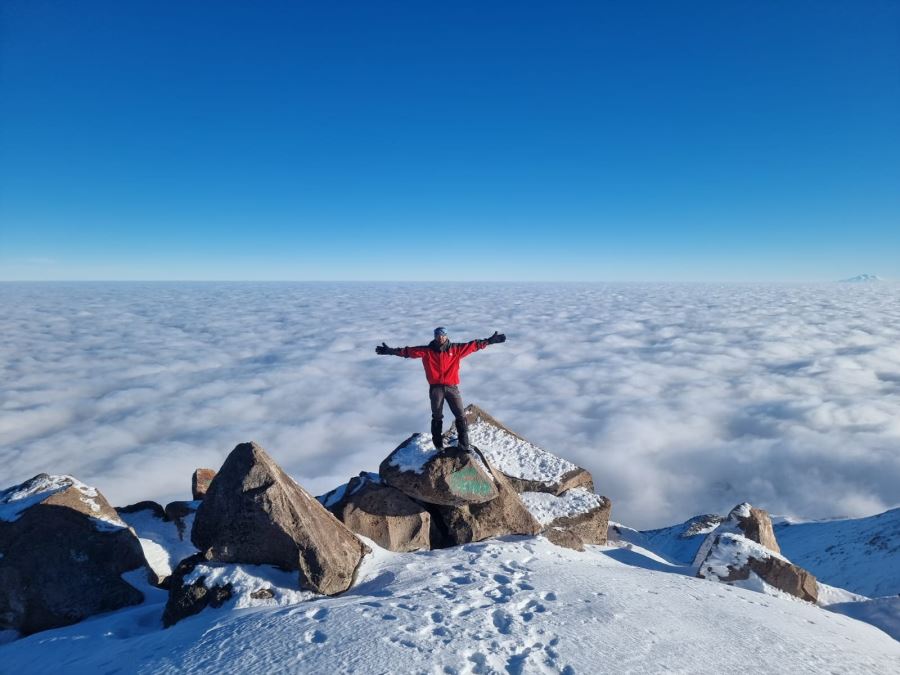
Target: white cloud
x,y
680,399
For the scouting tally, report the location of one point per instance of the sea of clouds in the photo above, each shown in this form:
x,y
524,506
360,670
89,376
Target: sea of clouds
x,y
680,399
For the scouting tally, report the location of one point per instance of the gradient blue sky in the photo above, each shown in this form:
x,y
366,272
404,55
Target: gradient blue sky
x,y
538,141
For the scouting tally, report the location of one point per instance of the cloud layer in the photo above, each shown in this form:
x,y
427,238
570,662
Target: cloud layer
x,y
680,399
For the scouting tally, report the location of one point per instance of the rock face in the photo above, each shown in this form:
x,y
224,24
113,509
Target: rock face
x,y
581,514
756,525
528,467
200,482
381,513
450,477
64,549
187,599
505,514
729,555
255,513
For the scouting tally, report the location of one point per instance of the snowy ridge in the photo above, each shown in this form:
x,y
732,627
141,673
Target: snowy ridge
x,y
859,554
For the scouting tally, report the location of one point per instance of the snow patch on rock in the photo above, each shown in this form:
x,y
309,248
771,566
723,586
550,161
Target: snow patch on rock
x,y
517,457
278,587
547,508
414,454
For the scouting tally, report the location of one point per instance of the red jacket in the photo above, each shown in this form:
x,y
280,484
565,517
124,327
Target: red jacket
x,y
442,365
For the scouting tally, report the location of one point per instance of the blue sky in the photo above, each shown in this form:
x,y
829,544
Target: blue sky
x,y
533,141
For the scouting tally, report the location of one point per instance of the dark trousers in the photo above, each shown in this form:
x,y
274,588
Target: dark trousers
x,y
438,393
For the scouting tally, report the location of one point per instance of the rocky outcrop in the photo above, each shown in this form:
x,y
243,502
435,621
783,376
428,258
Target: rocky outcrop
x,y
155,509
755,525
182,514
255,513
730,555
528,467
63,550
200,482
449,477
190,597
381,513
583,515
503,515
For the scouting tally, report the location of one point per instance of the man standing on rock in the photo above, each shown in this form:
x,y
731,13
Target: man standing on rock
x,y
441,358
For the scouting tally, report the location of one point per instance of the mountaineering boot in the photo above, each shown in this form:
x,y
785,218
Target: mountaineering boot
x,y
436,437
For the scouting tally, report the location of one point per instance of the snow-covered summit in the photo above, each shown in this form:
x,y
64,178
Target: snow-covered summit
x,y
862,279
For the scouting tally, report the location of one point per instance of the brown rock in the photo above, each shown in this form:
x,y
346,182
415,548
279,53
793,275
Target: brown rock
x,y
730,556
485,431
200,482
64,551
756,525
382,513
591,526
503,515
255,513
563,537
450,477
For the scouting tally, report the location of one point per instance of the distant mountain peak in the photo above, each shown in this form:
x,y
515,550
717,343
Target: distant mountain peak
x,y
862,279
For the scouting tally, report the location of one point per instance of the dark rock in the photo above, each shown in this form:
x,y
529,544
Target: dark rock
x,y
450,477
503,515
255,513
64,549
262,594
382,513
188,599
180,513
154,508
200,482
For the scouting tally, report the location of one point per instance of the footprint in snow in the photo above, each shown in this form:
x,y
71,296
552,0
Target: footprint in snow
x,y
315,636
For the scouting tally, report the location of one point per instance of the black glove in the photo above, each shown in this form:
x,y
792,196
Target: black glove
x,y
496,337
383,349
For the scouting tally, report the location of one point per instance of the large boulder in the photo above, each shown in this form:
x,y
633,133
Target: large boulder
x,y
381,513
63,550
729,555
503,515
528,467
581,514
200,482
255,513
449,477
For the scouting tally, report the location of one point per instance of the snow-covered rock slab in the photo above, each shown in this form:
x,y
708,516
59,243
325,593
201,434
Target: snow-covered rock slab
x,y
63,550
529,468
449,477
579,513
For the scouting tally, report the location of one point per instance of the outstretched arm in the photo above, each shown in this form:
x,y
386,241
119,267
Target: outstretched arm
x,y
407,352
473,346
